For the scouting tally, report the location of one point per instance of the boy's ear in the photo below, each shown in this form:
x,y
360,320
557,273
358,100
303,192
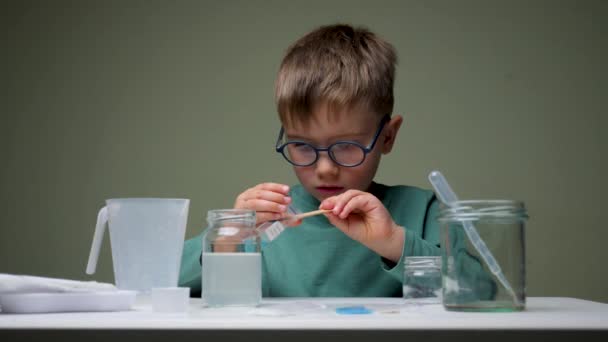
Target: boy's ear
x,y
390,133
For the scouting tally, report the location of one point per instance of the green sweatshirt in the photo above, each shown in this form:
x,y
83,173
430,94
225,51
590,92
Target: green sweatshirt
x,y
316,259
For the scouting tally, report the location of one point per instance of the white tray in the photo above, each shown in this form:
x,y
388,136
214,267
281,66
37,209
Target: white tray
x,y
67,302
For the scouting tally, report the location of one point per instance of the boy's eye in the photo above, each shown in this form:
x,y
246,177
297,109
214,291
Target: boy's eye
x,y
302,147
344,147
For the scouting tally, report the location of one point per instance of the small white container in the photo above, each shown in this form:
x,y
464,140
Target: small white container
x,y
170,299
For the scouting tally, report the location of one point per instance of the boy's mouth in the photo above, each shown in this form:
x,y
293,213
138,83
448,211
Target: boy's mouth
x,y
330,190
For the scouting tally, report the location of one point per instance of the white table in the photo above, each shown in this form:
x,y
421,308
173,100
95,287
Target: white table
x,y
315,318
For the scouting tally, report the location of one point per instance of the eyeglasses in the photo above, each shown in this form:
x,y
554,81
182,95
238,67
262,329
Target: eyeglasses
x,y
343,153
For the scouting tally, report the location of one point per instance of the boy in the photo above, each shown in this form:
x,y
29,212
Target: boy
x,y
334,94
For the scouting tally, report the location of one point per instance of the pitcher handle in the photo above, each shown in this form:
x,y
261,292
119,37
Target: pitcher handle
x,y
102,219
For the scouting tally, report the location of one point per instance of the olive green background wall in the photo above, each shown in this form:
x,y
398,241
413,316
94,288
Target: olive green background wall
x,y
104,99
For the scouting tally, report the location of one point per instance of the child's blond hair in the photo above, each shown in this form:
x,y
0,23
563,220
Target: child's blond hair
x,y
337,65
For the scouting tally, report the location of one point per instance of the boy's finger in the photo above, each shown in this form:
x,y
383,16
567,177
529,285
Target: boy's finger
x,y
267,195
343,199
264,205
328,203
292,223
264,216
276,187
358,202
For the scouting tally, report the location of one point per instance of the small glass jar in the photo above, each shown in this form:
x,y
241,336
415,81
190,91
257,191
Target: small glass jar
x,y
422,279
231,260
483,255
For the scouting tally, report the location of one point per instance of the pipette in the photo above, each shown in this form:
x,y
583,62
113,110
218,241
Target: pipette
x,y
448,197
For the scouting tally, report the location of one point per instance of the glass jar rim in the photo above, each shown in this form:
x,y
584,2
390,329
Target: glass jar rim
x,y
465,210
422,262
230,214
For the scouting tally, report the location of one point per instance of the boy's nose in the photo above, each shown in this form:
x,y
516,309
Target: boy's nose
x,y
325,167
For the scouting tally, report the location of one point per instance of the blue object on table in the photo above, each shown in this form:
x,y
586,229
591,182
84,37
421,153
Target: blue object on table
x,y
353,310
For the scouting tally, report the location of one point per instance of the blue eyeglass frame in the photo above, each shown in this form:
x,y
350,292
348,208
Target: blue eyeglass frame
x,y
366,149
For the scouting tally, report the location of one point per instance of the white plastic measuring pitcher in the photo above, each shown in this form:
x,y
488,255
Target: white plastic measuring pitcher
x,y
147,238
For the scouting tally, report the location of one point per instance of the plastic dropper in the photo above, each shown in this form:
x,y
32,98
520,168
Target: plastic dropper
x,y
448,197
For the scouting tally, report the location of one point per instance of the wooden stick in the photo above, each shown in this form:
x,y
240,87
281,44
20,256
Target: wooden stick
x,y
305,215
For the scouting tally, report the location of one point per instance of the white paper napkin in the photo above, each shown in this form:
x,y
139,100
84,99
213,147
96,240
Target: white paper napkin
x,y
13,283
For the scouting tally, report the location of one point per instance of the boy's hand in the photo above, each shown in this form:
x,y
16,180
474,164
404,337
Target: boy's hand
x,y
269,200
362,217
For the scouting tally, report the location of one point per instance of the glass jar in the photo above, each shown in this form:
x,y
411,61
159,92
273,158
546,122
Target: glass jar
x,y
231,260
422,280
483,255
